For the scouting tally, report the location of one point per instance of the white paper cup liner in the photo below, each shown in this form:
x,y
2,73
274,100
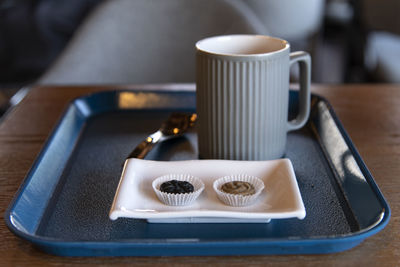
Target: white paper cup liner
x,y
172,199
235,199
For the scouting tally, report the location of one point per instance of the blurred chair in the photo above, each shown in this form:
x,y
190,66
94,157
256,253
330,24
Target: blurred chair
x,y
147,41
382,53
152,41
297,21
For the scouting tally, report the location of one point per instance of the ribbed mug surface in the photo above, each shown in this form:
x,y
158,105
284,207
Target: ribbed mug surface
x,y
242,104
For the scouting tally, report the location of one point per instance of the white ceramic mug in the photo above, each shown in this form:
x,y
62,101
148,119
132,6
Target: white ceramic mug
x,y
243,94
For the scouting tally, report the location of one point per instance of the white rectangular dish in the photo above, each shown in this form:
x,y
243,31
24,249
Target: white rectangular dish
x,y
135,197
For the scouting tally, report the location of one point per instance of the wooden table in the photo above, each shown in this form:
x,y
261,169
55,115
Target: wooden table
x,y
369,113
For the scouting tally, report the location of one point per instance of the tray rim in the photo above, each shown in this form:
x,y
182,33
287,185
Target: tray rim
x,y
73,248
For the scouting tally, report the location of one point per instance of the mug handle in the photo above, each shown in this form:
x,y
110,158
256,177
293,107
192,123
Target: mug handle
x,y
304,60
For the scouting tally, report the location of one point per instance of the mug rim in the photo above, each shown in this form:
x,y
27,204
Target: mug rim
x,y
200,45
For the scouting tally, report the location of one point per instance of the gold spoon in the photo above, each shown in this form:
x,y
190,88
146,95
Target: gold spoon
x,y
176,125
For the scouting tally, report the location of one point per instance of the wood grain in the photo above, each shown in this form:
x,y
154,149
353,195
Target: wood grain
x,y
369,113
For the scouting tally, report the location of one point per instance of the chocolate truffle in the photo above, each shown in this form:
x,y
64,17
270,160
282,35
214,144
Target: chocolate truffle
x,y
238,188
176,187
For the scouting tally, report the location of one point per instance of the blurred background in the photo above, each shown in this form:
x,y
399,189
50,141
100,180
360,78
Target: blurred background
x,y
351,41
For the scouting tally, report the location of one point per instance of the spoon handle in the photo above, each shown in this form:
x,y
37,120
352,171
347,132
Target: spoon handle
x,y
144,147
176,125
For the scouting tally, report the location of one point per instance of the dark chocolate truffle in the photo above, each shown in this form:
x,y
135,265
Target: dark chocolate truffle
x,y
176,187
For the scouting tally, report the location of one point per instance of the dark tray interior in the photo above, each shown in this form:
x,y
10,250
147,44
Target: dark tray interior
x,y
101,132
84,197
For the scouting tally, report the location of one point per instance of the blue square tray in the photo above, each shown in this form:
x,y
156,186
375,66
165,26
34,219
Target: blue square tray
x,y
62,206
